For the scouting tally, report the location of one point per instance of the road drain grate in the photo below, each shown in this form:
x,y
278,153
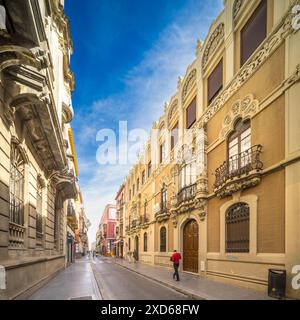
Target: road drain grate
x,y
82,298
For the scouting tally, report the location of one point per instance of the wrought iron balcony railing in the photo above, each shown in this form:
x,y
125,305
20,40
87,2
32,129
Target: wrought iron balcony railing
x,y
186,193
239,165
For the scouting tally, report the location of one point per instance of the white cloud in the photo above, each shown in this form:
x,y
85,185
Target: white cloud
x,y
147,86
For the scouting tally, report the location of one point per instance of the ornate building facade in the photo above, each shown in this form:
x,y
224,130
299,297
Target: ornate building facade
x,y
219,179
37,165
120,228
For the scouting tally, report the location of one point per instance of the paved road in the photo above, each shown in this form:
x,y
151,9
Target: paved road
x,y
117,283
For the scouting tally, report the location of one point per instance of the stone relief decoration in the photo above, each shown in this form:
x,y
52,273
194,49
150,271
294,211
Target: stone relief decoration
x,y
213,42
18,145
67,113
189,82
237,5
244,109
231,188
275,39
173,110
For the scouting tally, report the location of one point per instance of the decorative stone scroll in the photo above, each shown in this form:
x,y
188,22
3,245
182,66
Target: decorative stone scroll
x,y
173,110
244,109
236,8
190,80
216,37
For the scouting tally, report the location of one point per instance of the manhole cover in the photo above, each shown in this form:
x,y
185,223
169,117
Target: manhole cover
x,y
82,298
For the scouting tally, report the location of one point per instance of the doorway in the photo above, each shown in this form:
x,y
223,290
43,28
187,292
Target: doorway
x,y
136,247
190,246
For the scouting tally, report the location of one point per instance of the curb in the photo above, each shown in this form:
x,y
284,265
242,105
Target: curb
x,y
193,296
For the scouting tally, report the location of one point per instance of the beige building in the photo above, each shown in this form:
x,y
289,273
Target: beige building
x,y
226,191
37,167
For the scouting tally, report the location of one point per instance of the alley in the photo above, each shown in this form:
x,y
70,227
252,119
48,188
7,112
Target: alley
x,y
102,278
117,283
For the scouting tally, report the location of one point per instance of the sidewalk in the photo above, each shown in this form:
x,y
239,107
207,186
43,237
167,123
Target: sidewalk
x,y
76,282
193,286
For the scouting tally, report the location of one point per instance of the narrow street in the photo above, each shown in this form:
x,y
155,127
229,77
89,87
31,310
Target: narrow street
x,y
117,283
102,278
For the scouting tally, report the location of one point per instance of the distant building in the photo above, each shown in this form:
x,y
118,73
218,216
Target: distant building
x,y
106,232
120,229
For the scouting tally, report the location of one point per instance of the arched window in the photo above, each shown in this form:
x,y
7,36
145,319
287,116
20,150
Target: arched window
x,y
163,239
16,186
239,146
145,242
237,228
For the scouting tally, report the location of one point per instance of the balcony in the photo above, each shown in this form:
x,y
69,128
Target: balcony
x,y
186,193
241,171
163,213
145,221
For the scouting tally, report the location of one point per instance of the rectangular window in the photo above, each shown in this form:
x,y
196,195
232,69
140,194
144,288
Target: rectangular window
x,y
174,136
215,82
137,184
39,217
143,177
191,114
254,32
133,190
149,169
164,199
129,194
162,152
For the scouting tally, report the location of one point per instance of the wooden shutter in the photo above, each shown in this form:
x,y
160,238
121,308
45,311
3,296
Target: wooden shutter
x,y
254,32
215,82
191,114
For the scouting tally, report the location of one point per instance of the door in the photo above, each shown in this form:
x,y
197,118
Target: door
x,y
190,246
136,247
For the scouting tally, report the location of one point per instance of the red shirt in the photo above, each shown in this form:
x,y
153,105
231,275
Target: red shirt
x,y
176,256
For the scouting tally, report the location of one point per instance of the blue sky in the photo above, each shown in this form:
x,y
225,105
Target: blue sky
x,y
128,55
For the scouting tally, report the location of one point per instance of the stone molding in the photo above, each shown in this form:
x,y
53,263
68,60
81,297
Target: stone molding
x,y
245,109
189,82
237,5
213,42
173,110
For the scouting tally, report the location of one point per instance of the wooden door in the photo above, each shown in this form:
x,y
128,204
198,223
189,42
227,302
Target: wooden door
x,y
190,246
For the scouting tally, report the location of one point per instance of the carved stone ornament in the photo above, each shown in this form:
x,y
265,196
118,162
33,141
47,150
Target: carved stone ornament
x,y
232,187
213,42
173,110
189,82
246,108
236,8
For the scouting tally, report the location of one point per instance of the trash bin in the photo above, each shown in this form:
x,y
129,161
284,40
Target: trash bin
x,y
276,283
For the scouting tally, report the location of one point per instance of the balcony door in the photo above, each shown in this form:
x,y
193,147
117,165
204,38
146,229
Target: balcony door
x,y
239,145
190,246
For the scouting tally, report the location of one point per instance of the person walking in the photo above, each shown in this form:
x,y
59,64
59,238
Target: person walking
x,y
176,256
